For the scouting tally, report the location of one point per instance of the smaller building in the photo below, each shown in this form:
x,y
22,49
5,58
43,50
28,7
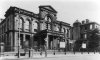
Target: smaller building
x,y
81,33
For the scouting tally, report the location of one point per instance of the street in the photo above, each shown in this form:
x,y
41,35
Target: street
x,y
77,56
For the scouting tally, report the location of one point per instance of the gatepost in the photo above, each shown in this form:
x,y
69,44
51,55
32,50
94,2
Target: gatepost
x,y
1,48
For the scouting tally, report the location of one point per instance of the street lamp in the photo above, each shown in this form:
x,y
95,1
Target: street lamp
x,y
46,39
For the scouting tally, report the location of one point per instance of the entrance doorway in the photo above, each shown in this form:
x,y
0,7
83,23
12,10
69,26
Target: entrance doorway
x,y
50,40
27,38
53,42
21,41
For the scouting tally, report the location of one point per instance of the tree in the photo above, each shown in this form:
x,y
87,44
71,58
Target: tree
x,y
77,45
40,36
93,40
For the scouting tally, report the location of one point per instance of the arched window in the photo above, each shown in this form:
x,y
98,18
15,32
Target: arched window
x,y
35,26
49,19
45,18
27,25
49,26
63,29
21,23
54,27
68,32
57,27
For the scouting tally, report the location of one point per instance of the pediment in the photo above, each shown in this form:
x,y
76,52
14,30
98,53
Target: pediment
x,y
48,7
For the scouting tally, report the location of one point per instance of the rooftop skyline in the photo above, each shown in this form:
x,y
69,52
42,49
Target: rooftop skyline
x,y
68,11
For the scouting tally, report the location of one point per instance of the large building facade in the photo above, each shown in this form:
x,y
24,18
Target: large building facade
x,y
28,24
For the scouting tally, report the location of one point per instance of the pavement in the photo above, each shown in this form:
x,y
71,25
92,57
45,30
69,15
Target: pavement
x,y
70,56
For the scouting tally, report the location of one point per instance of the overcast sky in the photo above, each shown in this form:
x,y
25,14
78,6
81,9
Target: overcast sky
x,y
68,10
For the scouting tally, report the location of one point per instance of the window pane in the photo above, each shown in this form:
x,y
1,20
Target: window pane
x,y
57,28
85,36
62,29
90,26
35,25
27,25
20,24
45,18
49,19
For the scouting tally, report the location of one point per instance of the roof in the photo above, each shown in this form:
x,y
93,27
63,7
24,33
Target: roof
x,y
62,23
91,23
77,21
13,9
48,7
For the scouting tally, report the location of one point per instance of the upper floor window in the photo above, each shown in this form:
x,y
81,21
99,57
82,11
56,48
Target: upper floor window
x,y
27,25
49,26
62,29
20,23
90,26
96,26
86,28
56,27
47,18
68,32
85,36
35,26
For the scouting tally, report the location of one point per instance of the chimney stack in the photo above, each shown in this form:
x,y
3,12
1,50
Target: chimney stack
x,y
87,20
83,22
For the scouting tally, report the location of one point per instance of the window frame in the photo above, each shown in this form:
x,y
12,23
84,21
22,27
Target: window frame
x,y
27,25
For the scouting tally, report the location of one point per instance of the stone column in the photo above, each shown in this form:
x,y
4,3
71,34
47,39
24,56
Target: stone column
x,y
16,41
46,39
31,40
23,37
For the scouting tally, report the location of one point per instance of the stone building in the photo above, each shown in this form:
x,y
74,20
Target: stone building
x,y
28,24
80,32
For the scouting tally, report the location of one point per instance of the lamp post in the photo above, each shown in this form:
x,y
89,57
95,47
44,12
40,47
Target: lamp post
x,y
19,38
46,39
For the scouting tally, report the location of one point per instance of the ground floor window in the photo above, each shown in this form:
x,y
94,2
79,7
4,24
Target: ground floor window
x,y
24,41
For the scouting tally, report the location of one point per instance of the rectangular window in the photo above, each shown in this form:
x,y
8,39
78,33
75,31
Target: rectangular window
x,y
49,26
91,27
85,36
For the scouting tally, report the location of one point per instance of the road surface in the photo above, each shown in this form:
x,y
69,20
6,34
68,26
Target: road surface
x,y
59,57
